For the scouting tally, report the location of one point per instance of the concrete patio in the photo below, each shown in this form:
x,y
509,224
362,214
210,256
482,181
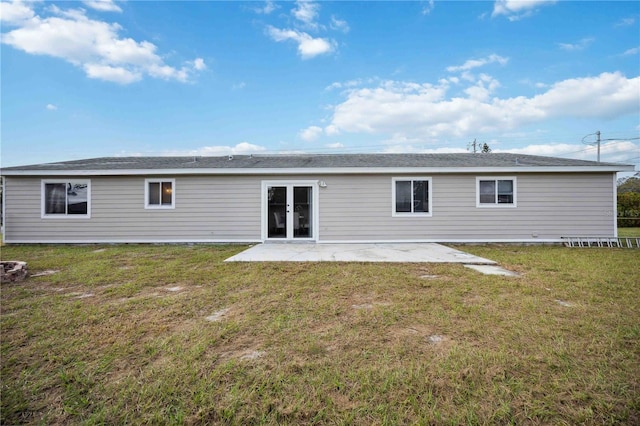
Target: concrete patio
x,y
401,252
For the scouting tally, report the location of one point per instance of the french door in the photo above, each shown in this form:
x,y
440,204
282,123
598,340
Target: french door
x,y
289,210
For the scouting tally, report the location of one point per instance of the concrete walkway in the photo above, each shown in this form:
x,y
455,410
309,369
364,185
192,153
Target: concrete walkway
x,y
402,252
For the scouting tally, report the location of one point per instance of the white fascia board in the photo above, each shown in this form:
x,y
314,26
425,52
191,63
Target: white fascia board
x,y
323,170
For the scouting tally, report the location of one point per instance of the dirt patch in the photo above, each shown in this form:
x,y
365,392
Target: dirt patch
x,y
363,306
45,273
364,301
81,295
251,355
243,346
56,289
472,300
421,336
436,339
413,332
218,315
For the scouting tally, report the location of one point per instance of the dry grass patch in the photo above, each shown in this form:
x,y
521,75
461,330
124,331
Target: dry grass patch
x,y
308,343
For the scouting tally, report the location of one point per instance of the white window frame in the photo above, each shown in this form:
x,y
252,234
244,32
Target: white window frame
x,y
148,206
411,179
67,216
496,205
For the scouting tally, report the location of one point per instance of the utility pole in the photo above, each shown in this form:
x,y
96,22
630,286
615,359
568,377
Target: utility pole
x,y
597,133
474,145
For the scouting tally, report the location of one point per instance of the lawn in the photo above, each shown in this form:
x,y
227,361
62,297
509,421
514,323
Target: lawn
x,y
172,335
629,232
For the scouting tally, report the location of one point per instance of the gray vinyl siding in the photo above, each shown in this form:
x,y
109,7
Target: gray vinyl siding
x,y
351,208
549,206
206,208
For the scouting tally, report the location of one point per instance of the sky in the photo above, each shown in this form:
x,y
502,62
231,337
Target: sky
x,y
83,79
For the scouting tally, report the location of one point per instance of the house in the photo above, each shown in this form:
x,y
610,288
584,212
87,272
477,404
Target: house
x,y
313,198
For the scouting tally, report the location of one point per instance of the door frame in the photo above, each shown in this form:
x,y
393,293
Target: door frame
x,y
289,183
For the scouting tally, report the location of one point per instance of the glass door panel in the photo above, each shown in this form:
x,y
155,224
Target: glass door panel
x,y
277,211
302,212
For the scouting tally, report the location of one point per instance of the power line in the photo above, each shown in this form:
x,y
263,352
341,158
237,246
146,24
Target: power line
x,y
621,139
598,140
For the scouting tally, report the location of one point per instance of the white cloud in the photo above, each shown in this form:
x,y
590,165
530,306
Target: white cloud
x,y
269,6
169,73
427,111
348,84
113,74
475,63
515,10
428,7
632,51
613,151
537,85
15,12
310,133
339,25
308,47
625,22
243,148
581,45
485,86
412,149
95,46
103,5
239,86
306,12
552,150
51,107
332,130
199,65
336,145
606,96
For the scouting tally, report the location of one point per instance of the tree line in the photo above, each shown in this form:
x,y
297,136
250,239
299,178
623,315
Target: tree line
x,y
629,202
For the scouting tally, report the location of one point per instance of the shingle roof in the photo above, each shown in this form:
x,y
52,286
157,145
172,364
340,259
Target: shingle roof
x,y
314,161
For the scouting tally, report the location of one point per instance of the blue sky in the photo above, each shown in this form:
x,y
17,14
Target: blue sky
x,y
84,79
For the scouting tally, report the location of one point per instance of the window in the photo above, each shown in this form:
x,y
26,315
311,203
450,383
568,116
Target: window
x,y
66,198
411,196
496,192
159,193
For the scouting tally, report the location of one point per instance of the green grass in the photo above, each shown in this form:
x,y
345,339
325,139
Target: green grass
x,y
119,335
629,232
